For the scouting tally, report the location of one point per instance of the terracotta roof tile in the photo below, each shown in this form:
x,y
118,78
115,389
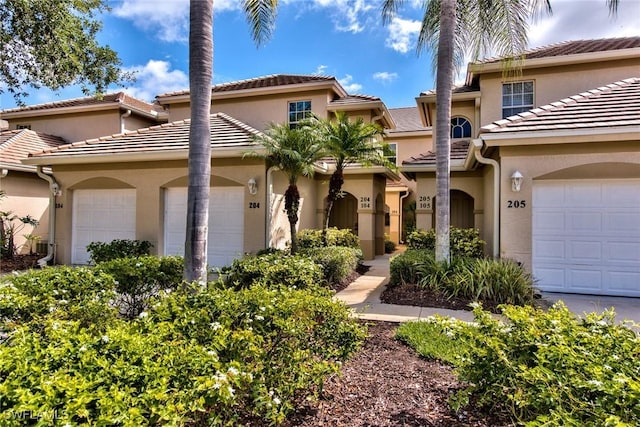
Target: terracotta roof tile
x,y
614,105
16,145
459,151
226,133
353,99
260,82
119,98
407,120
575,47
457,89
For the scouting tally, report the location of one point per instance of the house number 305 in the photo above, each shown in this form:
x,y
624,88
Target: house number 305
x,y
518,204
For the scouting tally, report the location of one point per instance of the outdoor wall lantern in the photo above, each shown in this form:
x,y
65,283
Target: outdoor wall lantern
x,y
253,186
516,181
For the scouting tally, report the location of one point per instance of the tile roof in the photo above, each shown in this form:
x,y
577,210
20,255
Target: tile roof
x,y
457,89
575,47
119,98
353,99
407,120
16,145
459,150
272,80
615,105
226,133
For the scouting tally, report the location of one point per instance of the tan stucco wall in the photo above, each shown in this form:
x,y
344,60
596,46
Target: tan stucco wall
x,y
81,126
27,194
554,83
149,179
572,161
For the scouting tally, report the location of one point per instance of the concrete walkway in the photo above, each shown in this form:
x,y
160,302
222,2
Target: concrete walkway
x,y
363,296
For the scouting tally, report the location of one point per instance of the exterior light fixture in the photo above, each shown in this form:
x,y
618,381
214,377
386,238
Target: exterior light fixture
x,y
253,186
516,181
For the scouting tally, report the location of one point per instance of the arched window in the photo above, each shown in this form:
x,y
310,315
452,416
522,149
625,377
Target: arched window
x,y
460,128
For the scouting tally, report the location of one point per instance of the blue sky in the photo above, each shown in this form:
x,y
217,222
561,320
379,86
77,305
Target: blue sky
x,y
342,38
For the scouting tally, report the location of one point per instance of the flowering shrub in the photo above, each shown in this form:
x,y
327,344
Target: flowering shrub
x,y
550,368
138,279
201,357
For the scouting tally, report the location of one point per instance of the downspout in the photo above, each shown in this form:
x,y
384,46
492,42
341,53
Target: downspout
x,y
122,117
54,189
401,211
477,148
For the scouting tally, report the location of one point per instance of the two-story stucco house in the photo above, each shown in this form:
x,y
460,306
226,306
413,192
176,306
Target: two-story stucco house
x,y
547,163
133,184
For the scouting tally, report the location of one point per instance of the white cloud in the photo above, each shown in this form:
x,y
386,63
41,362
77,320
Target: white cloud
x,y
320,71
385,76
585,19
154,78
169,18
403,34
347,15
347,83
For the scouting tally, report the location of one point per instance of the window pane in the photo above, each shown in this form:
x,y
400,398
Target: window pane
x,y
528,87
506,89
528,99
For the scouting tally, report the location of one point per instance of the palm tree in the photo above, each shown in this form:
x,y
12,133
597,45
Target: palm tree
x,y
348,142
295,152
261,17
453,28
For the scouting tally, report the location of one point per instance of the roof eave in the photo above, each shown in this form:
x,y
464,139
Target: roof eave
x,y
77,109
504,138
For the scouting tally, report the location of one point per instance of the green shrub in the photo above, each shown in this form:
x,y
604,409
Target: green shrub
x,y
551,368
119,248
389,247
207,357
464,242
311,238
502,281
275,269
404,267
64,293
338,263
139,279
432,339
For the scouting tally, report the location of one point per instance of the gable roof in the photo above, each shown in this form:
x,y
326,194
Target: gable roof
x,y
112,100
615,105
459,150
407,120
262,82
15,145
229,138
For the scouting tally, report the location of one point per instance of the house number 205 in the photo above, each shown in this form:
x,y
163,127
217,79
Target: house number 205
x,y
518,204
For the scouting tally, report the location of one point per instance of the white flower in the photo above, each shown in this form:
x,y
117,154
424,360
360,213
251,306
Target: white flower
x,y
105,339
143,314
276,401
595,383
211,353
258,317
263,308
83,348
232,371
215,326
231,390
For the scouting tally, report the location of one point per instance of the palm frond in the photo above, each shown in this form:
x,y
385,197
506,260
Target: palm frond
x,y
261,16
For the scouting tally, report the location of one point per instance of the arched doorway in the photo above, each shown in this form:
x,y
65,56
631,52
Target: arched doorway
x,y
344,213
461,210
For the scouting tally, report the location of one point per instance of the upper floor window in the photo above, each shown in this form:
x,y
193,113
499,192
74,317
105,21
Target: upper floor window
x,y
516,98
23,126
460,128
298,111
390,152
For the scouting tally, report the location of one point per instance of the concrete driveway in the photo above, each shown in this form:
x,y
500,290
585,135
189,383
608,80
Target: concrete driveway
x,y
625,308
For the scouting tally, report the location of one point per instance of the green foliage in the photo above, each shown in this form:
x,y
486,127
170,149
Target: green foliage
x,y
275,269
201,357
10,225
465,242
551,368
338,263
311,238
53,45
438,275
141,278
389,247
118,248
433,339
64,293
404,267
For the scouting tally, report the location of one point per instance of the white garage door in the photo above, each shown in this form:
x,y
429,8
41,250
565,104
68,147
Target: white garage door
x,y
586,236
226,224
101,216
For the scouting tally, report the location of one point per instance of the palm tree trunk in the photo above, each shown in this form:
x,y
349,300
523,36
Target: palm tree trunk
x,y
200,75
444,85
291,205
335,186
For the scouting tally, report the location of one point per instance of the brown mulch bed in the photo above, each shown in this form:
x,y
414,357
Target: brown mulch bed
x,y
19,262
387,384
